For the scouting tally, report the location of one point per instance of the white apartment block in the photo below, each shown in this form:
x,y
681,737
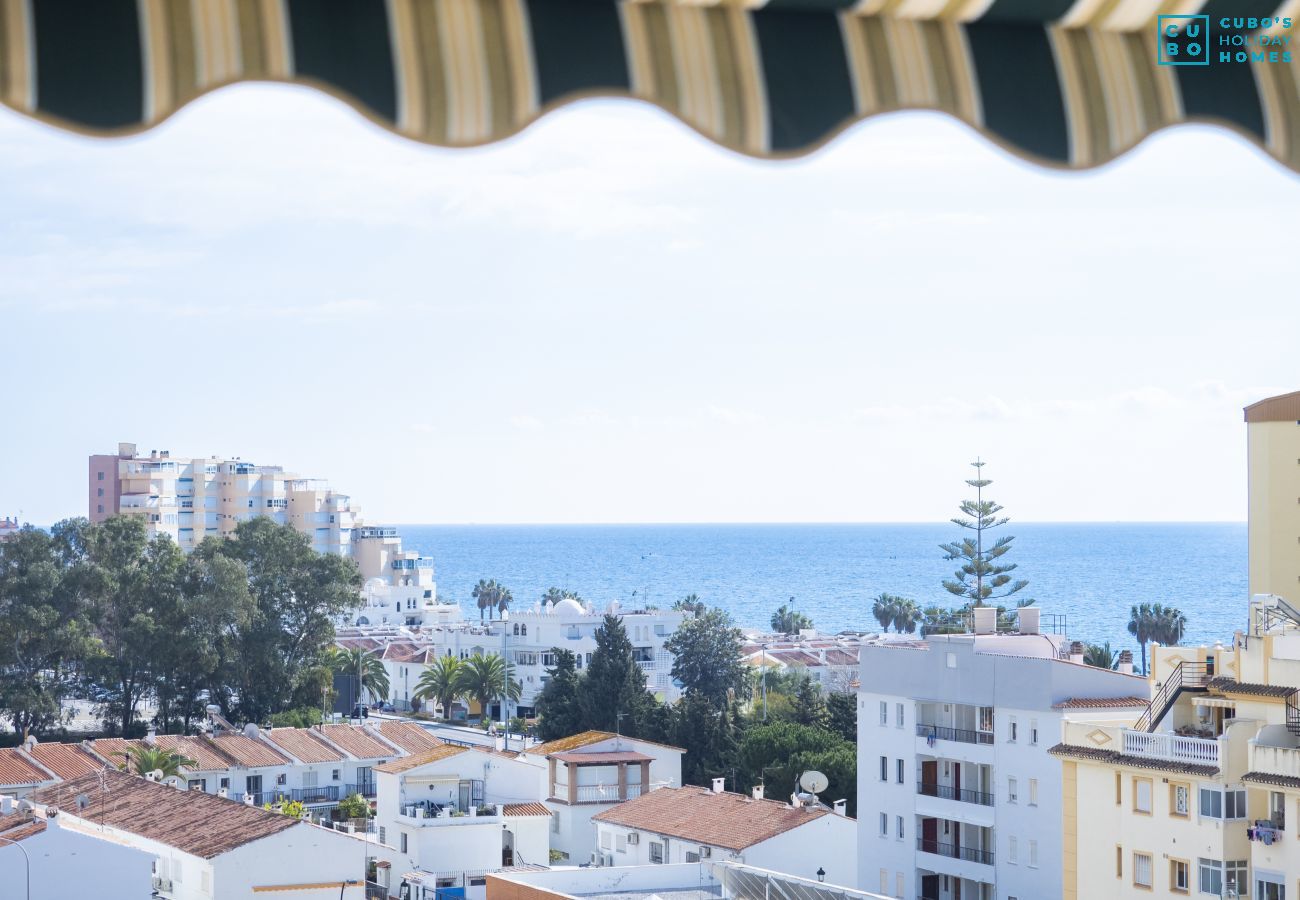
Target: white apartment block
x,y
958,797
525,637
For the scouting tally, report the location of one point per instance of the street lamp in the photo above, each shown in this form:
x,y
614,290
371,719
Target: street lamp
x,y
27,863
821,875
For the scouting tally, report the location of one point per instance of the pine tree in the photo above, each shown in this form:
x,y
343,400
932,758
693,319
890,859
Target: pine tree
x,y
842,710
614,685
979,563
559,705
810,708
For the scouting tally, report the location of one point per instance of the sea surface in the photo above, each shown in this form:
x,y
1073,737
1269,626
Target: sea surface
x,y
1091,573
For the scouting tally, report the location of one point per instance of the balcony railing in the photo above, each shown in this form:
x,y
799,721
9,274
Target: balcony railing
x,y
328,793
948,792
603,793
944,733
365,789
376,891
953,851
1175,747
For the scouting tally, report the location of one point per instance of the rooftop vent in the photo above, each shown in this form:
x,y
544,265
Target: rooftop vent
x,y
986,619
1028,617
719,785
1126,662
1076,652
758,792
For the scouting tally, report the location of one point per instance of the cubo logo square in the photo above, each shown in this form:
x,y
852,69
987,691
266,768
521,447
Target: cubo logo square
x,y
1183,40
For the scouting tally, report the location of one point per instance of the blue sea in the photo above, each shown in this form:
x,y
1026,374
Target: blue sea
x,y
1092,573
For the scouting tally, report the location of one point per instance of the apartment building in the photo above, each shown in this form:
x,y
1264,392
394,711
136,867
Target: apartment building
x,y
527,637
958,796
830,661
1202,794
1273,453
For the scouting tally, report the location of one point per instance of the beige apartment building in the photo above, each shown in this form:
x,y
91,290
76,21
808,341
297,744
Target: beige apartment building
x,y
190,498
1273,436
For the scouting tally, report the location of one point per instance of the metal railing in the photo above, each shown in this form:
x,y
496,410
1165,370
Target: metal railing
x,y
1185,675
604,793
364,788
948,792
963,735
328,793
953,851
376,891
1200,751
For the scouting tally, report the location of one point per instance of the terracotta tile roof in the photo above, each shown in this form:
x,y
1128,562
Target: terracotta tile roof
x,y
302,743
585,738
527,809
406,763
579,758
1101,703
355,741
1286,781
1223,685
65,760
207,757
409,736
407,652
696,814
18,826
1096,754
247,752
201,824
114,749
17,769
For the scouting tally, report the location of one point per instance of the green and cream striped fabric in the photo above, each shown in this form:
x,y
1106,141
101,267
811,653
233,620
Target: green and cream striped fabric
x,y
1062,82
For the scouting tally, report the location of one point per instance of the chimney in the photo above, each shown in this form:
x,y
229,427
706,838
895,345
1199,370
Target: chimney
x,y
719,784
1126,662
1028,616
986,619
758,792
841,807
1076,652
6,805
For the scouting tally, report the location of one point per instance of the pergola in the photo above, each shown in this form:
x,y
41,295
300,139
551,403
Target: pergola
x,y
1067,83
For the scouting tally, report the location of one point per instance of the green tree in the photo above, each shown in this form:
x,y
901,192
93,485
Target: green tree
x,y
354,807
710,736
559,705
981,575
555,595
291,808
1142,625
297,594
777,753
842,712
374,677
691,603
906,615
884,609
142,759
489,595
786,621
44,630
1168,624
810,707
1101,656
442,683
707,657
488,678
614,696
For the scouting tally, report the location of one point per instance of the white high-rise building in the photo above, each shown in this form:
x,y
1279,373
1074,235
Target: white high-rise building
x,y
958,796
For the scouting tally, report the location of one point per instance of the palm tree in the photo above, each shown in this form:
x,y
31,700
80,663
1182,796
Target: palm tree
x,y
906,615
1140,625
486,678
504,599
489,596
374,677
1101,656
786,621
1169,625
141,759
884,609
691,603
441,682
555,595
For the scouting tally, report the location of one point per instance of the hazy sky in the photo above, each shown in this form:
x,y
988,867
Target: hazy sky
x,y
608,319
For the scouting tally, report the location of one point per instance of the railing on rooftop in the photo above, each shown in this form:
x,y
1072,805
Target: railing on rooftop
x,y
954,851
962,735
604,793
1173,747
948,792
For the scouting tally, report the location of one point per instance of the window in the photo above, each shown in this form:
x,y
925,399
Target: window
x,y
1033,854
1119,781
1277,809
656,852
100,476
1178,876
1216,804
1211,876
1033,792
403,841
1269,886
1180,798
525,657
1211,804
282,779
1013,850
1013,789
951,660
1119,861
606,841
309,778
383,836
898,715
225,783
1234,877
692,857
986,718
884,768
100,492
1012,733
884,825
1142,795
620,843
1142,869
99,507
1033,732
898,884
898,821
884,713
884,881
899,773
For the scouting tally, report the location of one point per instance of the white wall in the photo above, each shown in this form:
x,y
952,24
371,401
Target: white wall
x,y
66,863
304,854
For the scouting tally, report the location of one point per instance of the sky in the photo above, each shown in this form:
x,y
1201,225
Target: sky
x,y
609,319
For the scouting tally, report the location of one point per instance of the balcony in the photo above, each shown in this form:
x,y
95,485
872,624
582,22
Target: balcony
x,y
947,792
953,851
1172,747
961,735
425,813
602,793
364,788
328,793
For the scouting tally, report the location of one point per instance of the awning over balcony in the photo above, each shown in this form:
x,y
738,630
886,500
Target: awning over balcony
x,y
1062,82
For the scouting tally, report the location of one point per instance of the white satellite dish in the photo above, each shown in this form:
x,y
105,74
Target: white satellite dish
x,y
156,775
813,782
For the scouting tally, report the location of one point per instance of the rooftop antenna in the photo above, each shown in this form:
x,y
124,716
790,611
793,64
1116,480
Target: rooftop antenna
x,y
618,731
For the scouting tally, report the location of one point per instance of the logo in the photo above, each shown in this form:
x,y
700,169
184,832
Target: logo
x,y
1183,41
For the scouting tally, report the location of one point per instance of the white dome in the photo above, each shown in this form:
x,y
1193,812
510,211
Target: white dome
x,y
567,607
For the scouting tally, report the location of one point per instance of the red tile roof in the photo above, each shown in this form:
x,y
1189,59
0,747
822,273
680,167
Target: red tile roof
x,y
1100,703
527,809
248,752
191,821
304,744
585,739
207,757
597,758
409,736
18,826
16,769
65,760
355,741
406,763
699,815
114,749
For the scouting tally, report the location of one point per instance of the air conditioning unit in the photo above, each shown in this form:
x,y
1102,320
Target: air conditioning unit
x,y
634,838
609,859
597,858
705,852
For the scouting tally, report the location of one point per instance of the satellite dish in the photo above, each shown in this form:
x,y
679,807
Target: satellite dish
x,y
813,782
156,775
82,801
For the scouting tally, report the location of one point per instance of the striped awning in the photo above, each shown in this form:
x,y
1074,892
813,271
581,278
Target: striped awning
x,y
1062,82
